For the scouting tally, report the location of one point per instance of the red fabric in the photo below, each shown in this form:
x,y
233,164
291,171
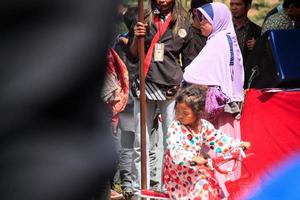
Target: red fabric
x,y
161,29
117,70
115,66
153,193
271,122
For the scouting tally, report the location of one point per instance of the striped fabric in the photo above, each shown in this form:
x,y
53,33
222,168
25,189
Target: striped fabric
x,y
153,92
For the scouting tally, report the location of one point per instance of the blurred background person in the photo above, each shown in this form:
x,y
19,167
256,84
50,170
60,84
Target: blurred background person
x,y
247,31
285,19
126,118
196,40
273,11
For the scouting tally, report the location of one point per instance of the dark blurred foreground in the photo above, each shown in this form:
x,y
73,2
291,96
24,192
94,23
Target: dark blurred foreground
x,y
54,140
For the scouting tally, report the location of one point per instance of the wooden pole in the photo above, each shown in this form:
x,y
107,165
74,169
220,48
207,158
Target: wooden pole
x,y
141,51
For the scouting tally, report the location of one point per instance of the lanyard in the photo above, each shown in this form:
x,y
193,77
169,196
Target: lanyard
x,y
161,29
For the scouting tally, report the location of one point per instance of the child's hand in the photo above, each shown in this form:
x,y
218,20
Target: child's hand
x,y
245,145
199,160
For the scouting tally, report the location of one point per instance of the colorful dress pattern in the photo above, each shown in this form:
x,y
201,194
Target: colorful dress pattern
x,y
186,182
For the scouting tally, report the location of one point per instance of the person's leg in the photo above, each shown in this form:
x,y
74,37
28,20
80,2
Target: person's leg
x,y
127,139
167,115
115,178
229,125
154,158
126,160
126,163
136,156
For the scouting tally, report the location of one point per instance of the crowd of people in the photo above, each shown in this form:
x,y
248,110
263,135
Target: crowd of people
x,y
196,74
57,134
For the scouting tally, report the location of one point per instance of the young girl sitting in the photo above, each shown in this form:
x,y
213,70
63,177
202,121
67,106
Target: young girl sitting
x,y
186,175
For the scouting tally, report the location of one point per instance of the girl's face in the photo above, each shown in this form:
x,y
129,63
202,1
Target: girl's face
x,y
165,6
205,27
185,115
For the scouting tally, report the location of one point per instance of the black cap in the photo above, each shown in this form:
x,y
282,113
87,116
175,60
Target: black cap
x,y
199,3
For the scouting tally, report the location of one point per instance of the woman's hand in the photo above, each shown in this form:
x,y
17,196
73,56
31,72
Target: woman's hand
x,y
140,29
199,160
245,145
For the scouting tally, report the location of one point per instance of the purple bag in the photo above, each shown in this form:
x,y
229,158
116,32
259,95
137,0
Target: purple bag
x,y
215,102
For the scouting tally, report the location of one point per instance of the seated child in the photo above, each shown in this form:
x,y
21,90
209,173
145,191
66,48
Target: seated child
x,y
186,174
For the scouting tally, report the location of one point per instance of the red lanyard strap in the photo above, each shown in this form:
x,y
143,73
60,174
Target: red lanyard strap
x,y
161,29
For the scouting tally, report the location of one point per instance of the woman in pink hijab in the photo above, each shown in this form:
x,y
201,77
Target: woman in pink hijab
x,y
220,66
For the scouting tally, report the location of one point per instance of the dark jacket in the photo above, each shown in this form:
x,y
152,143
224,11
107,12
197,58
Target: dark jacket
x,y
254,32
195,43
169,72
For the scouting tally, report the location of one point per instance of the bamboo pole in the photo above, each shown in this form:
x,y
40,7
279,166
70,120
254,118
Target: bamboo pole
x,y
141,51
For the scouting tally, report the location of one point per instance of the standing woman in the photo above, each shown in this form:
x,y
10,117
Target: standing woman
x,y
165,30
220,66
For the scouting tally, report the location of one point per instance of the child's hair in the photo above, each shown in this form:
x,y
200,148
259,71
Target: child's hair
x,y
194,96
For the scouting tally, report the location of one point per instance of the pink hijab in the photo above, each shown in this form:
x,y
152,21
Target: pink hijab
x,y
220,62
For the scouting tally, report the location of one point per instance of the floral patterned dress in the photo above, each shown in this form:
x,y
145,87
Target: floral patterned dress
x,y
184,181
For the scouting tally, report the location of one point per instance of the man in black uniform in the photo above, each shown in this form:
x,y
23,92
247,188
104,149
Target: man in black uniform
x,y
247,32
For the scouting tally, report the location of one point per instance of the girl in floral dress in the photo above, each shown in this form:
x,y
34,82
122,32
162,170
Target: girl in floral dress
x,y
186,174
